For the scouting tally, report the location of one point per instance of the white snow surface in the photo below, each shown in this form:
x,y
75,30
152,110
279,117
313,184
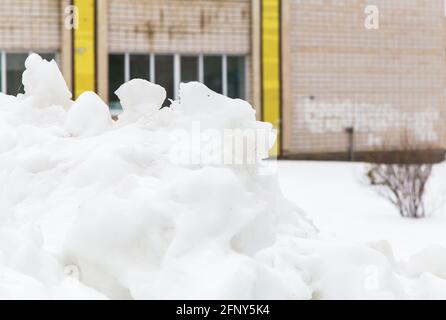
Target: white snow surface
x,y
88,116
140,98
96,209
342,205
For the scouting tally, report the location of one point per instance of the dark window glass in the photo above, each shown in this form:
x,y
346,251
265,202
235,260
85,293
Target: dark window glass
x,y
48,56
236,77
140,66
164,74
213,73
116,78
15,65
189,68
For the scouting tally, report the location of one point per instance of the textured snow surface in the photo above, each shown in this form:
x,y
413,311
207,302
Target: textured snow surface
x,y
95,209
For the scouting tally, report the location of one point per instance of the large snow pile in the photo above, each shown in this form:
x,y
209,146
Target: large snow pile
x,y
91,208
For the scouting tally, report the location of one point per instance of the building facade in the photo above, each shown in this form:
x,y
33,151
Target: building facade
x,y
381,83
328,83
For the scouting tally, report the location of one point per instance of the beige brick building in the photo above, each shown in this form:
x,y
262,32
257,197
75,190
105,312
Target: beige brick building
x,y
378,82
341,85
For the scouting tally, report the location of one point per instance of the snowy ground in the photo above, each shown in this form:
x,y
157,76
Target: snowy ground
x,y
341,205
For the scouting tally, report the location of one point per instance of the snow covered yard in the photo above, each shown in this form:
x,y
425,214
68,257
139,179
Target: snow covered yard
x,y
336,197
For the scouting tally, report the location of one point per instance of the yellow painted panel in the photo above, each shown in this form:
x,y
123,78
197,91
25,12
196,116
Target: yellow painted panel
x,y
271,89
84,48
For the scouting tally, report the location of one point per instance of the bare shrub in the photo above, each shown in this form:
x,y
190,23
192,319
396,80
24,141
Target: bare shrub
x,y
401,176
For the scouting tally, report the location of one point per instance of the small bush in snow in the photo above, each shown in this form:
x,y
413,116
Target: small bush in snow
x,y
401,177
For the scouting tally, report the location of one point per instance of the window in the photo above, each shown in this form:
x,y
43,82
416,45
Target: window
x,y
236,77
189,68
213,71
164,74
116,77
140,66
221,73
48,56
15,66
12,66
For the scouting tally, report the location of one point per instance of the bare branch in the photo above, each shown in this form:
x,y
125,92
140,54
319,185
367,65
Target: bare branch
x,y
402,178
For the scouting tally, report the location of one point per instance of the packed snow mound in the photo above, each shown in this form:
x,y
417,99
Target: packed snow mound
x,y
430,260
140,98
44,84
89,115
96,209
215,110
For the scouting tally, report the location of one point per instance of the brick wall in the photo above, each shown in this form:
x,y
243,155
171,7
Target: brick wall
x,y
30,25
185,27
211,26
381,82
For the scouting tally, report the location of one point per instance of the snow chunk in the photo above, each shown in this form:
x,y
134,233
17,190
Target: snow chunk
x,y
432,260
44,84
201,107
429,287
216,110
140,97
88,116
